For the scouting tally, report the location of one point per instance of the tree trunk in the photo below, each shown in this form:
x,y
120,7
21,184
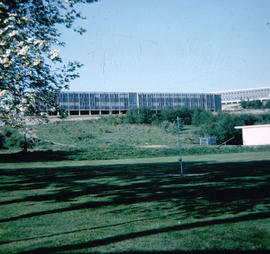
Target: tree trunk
x,y
25,144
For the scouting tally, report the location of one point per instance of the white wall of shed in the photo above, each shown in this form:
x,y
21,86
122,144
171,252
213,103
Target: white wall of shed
x,y
256,136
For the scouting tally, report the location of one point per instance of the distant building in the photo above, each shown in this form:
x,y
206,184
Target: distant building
x,y
254,135
250,94
88,103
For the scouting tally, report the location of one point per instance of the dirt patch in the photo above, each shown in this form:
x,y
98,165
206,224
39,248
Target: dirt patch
x,y
154,146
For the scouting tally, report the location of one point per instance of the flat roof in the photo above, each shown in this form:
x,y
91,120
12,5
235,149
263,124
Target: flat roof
x,y
159,93
243,90
252,126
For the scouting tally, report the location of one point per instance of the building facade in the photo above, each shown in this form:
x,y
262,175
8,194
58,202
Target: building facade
x,y
88,103
236,96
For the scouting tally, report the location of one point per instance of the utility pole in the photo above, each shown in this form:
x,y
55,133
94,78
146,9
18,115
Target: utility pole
x,y
180,147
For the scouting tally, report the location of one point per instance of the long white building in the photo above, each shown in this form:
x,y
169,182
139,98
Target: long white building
x,y
250,94
88,103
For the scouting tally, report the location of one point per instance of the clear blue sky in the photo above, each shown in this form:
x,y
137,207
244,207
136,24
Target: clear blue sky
x,y
172,46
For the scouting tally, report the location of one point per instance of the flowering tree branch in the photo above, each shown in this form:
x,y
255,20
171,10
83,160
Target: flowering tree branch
x,y
31,69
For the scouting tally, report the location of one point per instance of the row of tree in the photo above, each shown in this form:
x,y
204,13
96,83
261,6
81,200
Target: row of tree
x,y
211,124
256,104
147,116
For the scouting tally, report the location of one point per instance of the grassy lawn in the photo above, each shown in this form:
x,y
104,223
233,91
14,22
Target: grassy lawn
x,y
136,205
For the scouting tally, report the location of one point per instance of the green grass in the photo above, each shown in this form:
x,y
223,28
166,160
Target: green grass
x,y
93,133
101,140
136,205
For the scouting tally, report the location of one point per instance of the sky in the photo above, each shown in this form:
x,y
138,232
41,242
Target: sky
x,y
171,46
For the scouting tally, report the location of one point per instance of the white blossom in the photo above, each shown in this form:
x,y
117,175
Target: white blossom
x,y
26,18
4,60
22,108
37,42
23,51
13,33
30,95
37,61
53,109
2,5
8,52
54,53
3,93
42,43
7,107
4,101
29,40
20,44
11,18
12,60
8,27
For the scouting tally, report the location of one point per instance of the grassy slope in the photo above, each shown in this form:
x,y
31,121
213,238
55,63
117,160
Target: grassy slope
x,y
109,206
98,140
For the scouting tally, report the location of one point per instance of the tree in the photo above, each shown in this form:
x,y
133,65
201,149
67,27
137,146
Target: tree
x,y
256,104
31,69
171,114
222,126
201,117
145,115
267,104
141,115
243,104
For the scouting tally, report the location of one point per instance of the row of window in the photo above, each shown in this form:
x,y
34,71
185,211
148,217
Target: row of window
x,y
125,101
245,95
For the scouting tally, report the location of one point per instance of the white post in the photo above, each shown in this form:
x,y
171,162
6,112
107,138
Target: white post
x,y
180,147
79,99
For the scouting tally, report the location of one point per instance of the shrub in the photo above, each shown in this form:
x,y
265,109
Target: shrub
x,y
267,104
201,117
145,115
11,138
112,119
171,114
222,126
169,127
245,119
257,104
131,116
263,118
168,115
141,115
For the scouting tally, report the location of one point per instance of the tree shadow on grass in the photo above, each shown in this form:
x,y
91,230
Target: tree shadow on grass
x,y
36,156
263,251
123,237
230,188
